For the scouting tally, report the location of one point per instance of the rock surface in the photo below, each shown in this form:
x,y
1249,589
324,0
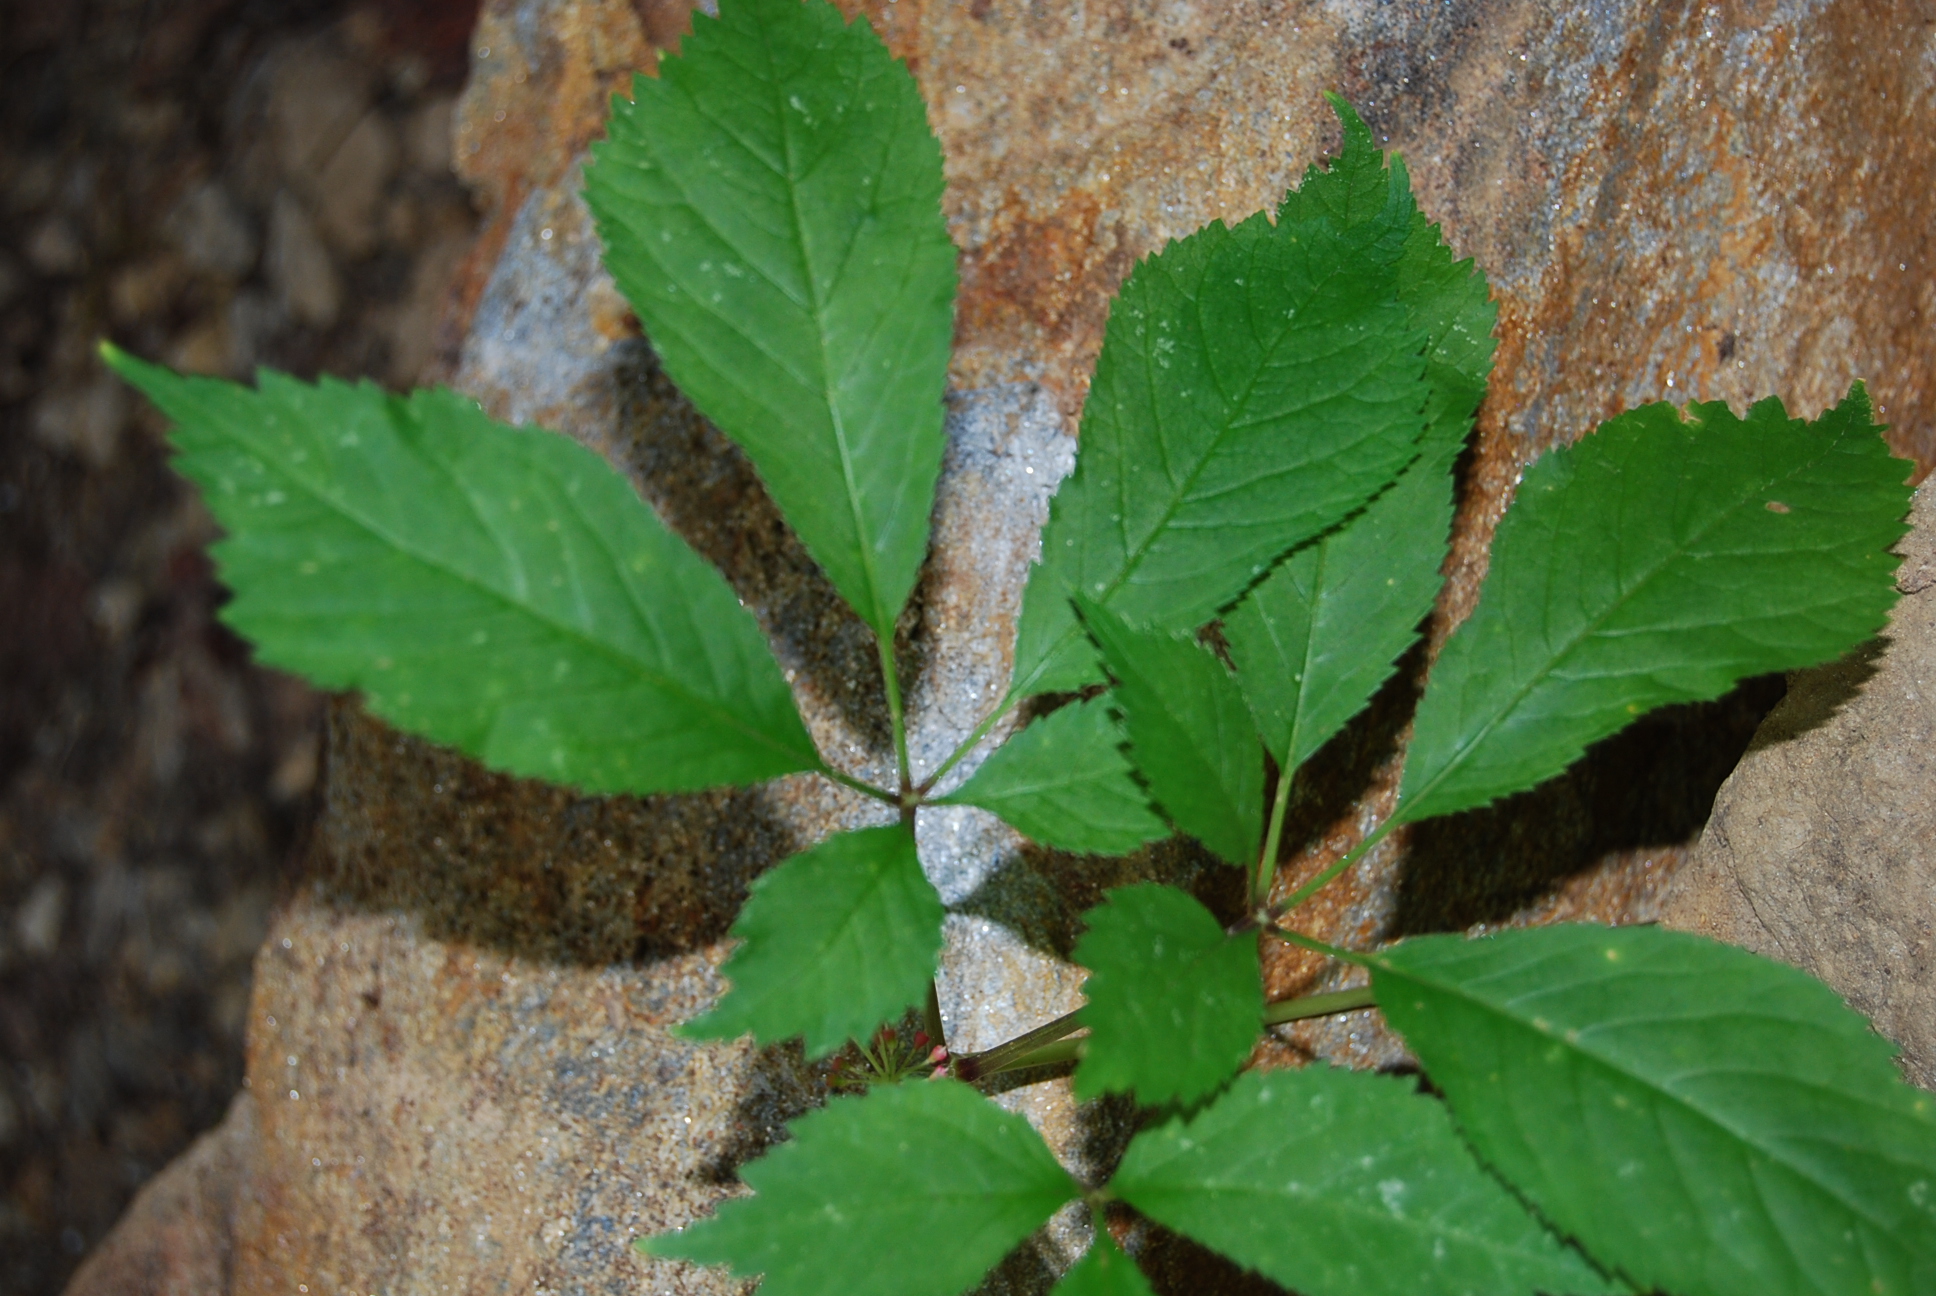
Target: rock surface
x,y
1822,848
179,1233
459,1044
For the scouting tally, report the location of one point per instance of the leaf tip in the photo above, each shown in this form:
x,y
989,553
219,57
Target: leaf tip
x,y
126,366
137,373
1858,408
1347,115
663,1246
704,1030
1357,135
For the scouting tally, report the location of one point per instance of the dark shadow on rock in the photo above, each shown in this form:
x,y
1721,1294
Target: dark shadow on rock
x,y
528,868
1652,784
1176,1266
1815,695
1399,75
1337,774
706,490
554,875
1040,893
1028,1270
1107,1124
779,1086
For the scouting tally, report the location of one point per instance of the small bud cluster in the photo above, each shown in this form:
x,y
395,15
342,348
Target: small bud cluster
x,y
887,1060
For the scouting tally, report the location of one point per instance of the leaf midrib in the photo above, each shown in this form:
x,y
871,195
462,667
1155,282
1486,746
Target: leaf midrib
x,y
875,887
1082,778
1232,424
1299,713
1326,1198
1227,807
1589,630
1614,1067
817,309
1134,557
563,629
974,1196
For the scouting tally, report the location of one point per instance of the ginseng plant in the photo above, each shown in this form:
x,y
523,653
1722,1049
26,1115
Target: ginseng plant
x,y
1267,448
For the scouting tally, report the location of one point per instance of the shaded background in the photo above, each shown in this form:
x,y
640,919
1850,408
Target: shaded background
x,y
217,184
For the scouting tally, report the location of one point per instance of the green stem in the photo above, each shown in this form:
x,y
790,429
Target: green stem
x,y
933,1013
969,743
1317,946
969,1066
1052,1042
891,680
1318,1005
1260,886
1064,1050
858,785
1318,883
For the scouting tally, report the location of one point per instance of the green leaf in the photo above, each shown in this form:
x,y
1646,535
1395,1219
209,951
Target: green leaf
x,y
1314,641
771,207
1103,1271
501,590
1659,560
836,940
1256,385
1064,781
1702,1119
1444,297
1175,1005
1189,732
917,1189
1342,1183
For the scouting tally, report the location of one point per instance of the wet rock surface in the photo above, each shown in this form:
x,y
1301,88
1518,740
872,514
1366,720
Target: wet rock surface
x,y
460,1068
1822,848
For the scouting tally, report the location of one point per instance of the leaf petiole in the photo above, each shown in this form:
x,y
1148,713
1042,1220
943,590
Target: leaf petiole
x,y
1317,1005
1063,1050
972,1066
1332,870
858,785
891,682
931,1013
1260,886
1055,1041
1317,946
969,743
